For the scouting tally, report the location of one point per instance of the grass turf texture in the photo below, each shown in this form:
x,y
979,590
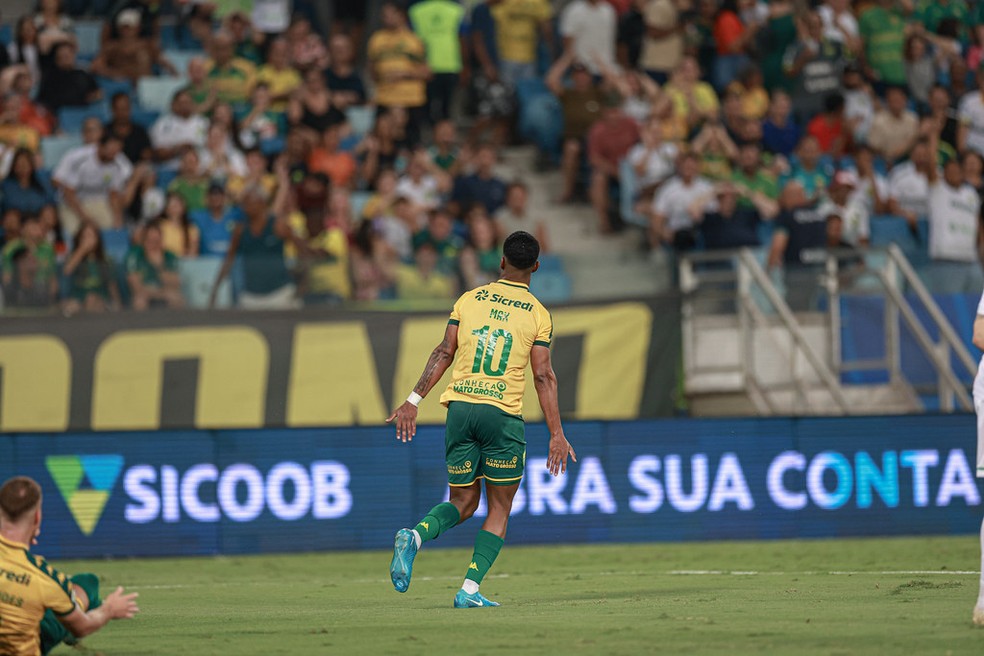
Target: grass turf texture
x,y
791,597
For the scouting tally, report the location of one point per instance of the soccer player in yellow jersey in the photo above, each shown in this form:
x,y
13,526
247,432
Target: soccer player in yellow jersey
x,y
38,604
495,330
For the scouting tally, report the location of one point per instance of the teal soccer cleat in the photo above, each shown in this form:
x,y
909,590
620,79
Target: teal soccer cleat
x,y
465,600
404,551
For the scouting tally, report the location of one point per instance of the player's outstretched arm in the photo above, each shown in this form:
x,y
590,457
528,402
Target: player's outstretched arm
x,y
545,381
116,606
440,359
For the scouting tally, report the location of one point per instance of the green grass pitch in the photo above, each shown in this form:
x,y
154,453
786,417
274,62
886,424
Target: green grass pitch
x,y
884,596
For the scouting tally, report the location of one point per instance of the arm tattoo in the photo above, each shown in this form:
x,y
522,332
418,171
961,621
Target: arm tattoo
x,y
439,359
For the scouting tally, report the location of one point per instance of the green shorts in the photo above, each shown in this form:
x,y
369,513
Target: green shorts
x,y
482,441
53,632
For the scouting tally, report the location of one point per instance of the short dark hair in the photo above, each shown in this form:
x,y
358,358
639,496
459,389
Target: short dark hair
x,y
18,496
119,94
521,249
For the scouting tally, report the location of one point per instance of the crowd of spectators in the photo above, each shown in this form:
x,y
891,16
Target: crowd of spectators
x,y
314,166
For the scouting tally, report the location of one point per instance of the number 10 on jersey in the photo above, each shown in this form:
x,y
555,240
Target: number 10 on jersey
x,y
485,352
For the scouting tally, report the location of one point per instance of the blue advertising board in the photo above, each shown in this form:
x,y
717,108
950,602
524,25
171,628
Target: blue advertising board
x,y
237,492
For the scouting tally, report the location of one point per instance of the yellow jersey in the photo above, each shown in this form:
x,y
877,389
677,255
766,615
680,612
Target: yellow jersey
x,y
394,52
517,24
498,326
28,586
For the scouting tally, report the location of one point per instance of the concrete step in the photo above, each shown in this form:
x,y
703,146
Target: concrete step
x,y
861,400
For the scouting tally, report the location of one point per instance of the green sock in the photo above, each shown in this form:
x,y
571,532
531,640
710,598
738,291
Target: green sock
x,y
439,519
487,546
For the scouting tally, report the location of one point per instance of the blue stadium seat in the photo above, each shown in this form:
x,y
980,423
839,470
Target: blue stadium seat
x,y
180,59
144,117
54,148
154,93
550,264
887,230
70,119
272,146
116,242
6,34
165,176
88,34
197,277
360,118
111,87
551,287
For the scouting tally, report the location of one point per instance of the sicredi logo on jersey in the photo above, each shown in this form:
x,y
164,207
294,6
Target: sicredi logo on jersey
x,y
483,295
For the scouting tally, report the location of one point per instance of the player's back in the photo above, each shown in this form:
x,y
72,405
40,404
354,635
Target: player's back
x,y
498,325
28,585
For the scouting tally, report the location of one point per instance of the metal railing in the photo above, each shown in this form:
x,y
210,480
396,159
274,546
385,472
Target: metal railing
x,y
757,304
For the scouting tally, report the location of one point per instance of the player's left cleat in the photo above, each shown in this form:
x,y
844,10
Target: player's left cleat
x,y
475,600
979,615
404,551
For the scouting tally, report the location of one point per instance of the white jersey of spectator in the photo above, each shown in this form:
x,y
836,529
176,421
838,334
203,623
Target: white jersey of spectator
x,y
888,132
910,188
82,170
659,163
233,167
953,221
971,114
859,106
857,225
835,26
592,26
271,16
397,234
674,198
424,193
863,194
171,130
663,54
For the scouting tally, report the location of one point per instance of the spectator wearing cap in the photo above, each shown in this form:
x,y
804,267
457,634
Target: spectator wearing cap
x,y
581,107
780,132
440,24
609,140
397,59
908,184
232,77
64,84
798,242
971,113
177,130
130,56
813,65
149,16
662,45
895,128
342,76
280,77
830,129
92,180
258,240
136,141
883,32
954,230
588,28
724,223
520,26
672,221
841,201
216,222
482,186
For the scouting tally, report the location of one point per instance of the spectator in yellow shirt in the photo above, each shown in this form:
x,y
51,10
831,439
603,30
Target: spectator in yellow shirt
x,y
519,26
232,77
399,68
279,75
422,280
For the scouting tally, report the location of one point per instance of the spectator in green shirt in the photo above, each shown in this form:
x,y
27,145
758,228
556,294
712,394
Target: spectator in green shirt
x,y
932,12
29,267
883,31
152,273
757,185
440,24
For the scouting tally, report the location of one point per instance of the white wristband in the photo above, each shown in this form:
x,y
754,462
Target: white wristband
x,y
414,399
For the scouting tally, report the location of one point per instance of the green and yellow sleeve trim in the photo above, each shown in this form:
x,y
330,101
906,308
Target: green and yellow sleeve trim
x,y
540,342
453,322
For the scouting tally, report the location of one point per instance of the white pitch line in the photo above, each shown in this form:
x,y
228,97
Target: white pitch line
x,y
900,572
